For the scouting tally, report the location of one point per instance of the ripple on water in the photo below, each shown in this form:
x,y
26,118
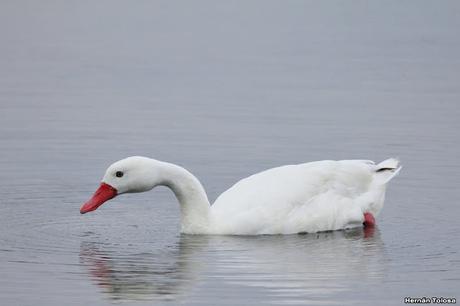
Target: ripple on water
x,y
288,268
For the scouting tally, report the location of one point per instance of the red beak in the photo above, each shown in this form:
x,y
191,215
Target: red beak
x,y
104,193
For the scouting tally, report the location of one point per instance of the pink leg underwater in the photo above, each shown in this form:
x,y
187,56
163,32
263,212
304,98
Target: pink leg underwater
x,y
369,219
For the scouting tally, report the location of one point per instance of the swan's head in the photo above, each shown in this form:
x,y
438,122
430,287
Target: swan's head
x,y
132,174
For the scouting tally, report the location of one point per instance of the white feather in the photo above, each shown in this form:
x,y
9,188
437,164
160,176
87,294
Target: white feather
x,y
310,197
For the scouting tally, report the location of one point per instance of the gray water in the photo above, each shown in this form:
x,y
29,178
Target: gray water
x,y
225,89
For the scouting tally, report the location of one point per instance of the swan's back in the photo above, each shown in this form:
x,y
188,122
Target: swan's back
x,y
310,197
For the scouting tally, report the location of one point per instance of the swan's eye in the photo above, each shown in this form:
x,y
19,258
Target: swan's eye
x,y
119,174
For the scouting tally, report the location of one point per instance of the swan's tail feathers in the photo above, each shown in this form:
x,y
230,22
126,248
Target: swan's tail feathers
x,y
387,170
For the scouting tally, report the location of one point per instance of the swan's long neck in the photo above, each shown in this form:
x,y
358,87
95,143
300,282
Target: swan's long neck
x,y
194,203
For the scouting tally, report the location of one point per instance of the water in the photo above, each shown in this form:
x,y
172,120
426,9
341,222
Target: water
x,y
226,90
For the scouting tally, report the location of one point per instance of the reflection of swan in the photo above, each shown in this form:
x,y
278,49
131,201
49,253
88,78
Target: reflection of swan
x,y
311,197
280,268
146,275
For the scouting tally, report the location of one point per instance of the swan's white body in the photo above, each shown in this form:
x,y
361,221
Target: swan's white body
x,y
310,197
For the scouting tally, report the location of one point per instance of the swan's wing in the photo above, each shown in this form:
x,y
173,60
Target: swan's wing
x,y
273,199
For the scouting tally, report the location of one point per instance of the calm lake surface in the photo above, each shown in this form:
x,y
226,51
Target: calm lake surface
x,y
225,89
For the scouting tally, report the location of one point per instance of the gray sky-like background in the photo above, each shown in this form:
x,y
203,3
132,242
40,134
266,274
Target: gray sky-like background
x,y
225,89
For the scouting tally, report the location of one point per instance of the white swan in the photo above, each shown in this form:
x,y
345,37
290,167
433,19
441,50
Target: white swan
x,y
310,197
